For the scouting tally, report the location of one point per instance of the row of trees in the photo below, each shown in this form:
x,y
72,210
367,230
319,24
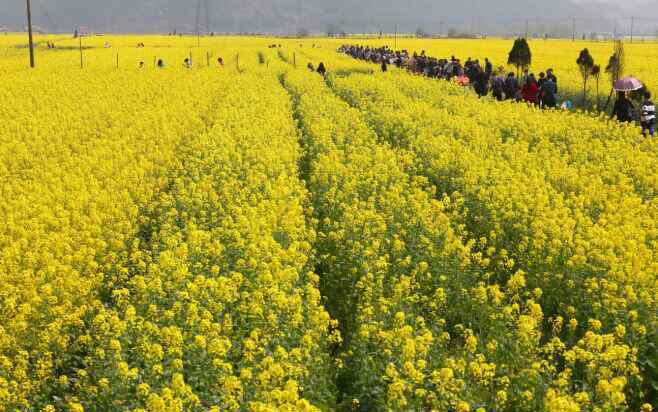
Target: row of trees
x,y
589,69
521,57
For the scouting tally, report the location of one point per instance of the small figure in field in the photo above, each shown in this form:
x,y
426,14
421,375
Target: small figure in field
x,y
160,64
482,82
524,76
530,90
310,67
141,64
107,45
488,67
321,69
623,109
548,93
540,83
187,63
648,116
551,75
511,87
220,62
498,85
384,66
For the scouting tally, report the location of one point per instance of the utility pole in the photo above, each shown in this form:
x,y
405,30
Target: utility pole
x,y
396,37
632,28
202,4
29,30
527,24
81,60
573,30
614,31
207,11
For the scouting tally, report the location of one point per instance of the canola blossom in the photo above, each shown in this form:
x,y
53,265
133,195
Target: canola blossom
x,y
256,237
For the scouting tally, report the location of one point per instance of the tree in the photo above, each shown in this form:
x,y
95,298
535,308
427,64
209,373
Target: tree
x,y
617,62
615,68
596,73
332,30
303,32
421,33
585,63
520,55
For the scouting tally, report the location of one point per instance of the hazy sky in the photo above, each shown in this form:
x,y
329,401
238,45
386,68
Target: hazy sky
x,y
505,17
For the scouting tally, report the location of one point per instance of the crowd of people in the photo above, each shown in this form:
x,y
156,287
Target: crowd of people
x,y
541,91
483,77
187,63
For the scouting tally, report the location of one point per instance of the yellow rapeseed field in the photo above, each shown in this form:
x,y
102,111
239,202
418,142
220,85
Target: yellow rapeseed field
x,y
253,236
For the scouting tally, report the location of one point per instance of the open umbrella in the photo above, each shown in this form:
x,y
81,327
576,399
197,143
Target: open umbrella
x,y
628,84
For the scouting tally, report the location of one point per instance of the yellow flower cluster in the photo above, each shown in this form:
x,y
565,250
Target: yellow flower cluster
x,y
155,252
266,239
558,207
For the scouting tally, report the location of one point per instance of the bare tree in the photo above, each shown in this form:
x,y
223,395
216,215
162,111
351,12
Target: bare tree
x,y
615,68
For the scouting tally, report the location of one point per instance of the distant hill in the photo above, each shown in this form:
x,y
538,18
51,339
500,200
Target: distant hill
x,y
317,16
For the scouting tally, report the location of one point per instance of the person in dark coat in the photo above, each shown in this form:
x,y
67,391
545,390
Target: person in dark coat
x,y
481,83
511,86
384,66
551,75
321,69
488,67
498,85
548,93
648,116
623,109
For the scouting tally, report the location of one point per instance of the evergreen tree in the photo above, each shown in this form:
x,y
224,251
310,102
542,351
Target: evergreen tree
x,y
585,62
520,55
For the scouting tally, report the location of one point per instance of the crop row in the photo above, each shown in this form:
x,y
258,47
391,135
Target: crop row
x,y
590,263
163,273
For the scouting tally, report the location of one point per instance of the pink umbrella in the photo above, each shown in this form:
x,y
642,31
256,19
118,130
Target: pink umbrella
x,y
628,84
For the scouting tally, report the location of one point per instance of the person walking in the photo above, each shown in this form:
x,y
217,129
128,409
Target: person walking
x,y
551,75
530,90
623,109
511,86
648,116
481,83
488,67
498,86
384,66
540,84
322,70
548,93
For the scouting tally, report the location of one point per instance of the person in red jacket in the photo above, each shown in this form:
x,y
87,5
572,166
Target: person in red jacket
x,y
530,90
